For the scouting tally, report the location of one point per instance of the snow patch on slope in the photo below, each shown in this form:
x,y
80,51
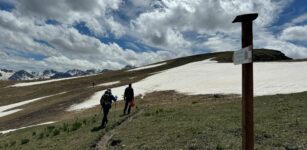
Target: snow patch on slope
x,y
108,83
149,66
8,109
11,130
210,77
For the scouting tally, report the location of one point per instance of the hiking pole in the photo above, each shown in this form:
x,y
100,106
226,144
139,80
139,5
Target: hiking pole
x,y
114,109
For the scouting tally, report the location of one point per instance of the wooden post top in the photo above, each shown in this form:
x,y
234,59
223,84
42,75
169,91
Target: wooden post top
x,y
245,18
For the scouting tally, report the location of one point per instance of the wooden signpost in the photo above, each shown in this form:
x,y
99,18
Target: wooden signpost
x,y
247,82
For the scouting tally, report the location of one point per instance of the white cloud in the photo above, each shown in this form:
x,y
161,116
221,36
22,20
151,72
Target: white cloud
x,y
93,12
295,33
66,11
59,61
207,17
288,48
300,19
141,3
116,28
221,43
265,39
70,49
177,28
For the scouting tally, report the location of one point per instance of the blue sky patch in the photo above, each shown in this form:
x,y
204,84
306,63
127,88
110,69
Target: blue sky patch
x,y
83,29
43,42
6,6
52,22
294,10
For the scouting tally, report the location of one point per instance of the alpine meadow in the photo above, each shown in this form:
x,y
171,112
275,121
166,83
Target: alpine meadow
x,y
153,75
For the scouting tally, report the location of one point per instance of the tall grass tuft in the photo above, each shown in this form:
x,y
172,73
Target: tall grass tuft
x,y
76,125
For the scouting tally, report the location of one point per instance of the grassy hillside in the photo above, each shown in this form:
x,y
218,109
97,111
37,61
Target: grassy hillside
x,y
259,55
174,121
167,119
200,122
73,133
79,89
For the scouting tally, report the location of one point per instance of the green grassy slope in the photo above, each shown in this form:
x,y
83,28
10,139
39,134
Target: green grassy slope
x,y
175,121
202,123
78,89
169,120
259,55
77,132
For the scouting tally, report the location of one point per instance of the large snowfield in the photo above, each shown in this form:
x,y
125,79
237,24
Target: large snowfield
x,y
210,77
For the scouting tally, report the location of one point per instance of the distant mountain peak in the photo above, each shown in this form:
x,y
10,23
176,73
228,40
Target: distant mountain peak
x,y
60,75
21,75
76,72
128,67
46,74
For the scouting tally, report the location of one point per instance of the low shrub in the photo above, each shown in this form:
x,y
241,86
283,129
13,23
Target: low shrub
x,y
24,141
56,132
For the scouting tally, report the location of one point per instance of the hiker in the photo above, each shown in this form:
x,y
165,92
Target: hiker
x,y
129,98
106,103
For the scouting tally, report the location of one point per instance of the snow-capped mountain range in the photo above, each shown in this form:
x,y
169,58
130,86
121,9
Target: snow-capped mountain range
x,y
46,74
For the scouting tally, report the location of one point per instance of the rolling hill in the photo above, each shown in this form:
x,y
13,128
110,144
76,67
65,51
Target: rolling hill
x,y
165,90
79,88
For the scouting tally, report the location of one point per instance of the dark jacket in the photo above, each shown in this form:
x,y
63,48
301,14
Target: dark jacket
x,y
129,94
107,98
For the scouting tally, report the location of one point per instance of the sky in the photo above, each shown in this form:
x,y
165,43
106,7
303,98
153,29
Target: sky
x,y
110,34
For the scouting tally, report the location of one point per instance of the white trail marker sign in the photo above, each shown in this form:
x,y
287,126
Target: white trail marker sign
x,y
243,56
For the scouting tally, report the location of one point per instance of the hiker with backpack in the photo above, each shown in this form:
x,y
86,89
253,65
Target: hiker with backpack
x,y
129,99
106,103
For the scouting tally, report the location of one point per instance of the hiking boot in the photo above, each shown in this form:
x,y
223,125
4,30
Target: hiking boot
x,y
102,126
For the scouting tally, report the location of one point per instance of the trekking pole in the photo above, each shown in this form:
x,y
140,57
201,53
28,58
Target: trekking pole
x,y
114,109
